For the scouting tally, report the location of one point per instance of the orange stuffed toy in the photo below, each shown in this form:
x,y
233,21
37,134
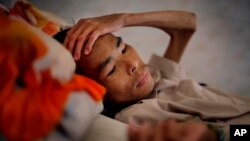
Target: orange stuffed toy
x,y
37,80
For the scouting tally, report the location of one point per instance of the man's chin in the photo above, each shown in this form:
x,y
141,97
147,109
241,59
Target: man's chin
x,y
147,90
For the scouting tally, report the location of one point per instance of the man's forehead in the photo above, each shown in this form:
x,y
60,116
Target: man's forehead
x,y
110,54
102,49
104,44
107,39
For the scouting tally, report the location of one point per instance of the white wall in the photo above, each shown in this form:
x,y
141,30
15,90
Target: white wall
x,y
219,52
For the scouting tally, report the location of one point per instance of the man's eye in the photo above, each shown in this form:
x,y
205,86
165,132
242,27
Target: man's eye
x,y
111,72
124,50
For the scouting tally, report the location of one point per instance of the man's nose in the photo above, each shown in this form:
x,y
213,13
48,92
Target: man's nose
x,y
132,70
131,67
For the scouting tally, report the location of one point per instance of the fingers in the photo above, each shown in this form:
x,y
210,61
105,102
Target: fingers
x,y
133,132
147,132
74,36
158,136
85,33
140,132
81,39
91,41
69,36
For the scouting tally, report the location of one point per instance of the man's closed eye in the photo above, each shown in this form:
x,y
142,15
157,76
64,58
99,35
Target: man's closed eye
x,y
111,71
124,49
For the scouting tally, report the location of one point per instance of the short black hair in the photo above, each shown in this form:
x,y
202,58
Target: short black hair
x,y
60,36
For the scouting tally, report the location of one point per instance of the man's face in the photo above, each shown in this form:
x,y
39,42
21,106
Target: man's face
x,y
119,68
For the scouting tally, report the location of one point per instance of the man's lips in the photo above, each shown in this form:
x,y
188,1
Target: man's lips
x,y
143,78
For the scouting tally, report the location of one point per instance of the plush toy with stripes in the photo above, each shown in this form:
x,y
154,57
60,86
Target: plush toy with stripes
x,y
41,98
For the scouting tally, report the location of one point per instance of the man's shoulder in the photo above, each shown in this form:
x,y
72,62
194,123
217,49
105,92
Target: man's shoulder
x,y
168,69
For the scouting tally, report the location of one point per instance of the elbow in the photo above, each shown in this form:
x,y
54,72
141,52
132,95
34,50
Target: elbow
x,y
189,21
192,22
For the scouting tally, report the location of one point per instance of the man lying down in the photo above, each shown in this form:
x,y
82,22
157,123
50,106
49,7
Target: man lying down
x,y
159,91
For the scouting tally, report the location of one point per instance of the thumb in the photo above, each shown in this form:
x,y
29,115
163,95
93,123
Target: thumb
x,y
133,132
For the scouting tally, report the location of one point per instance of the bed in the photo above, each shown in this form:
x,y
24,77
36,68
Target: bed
x,y
106,129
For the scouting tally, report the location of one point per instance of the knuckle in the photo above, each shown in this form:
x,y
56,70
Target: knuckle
x,y
81,20
92,37
68,33
95,22
81,37
92,22
88,20
101,27
71,44
72,37
96,33
78,50
76,53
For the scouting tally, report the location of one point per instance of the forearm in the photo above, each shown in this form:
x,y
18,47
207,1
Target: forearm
x,y
179,25
168,21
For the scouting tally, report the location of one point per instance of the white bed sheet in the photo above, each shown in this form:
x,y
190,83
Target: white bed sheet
x,y
106,129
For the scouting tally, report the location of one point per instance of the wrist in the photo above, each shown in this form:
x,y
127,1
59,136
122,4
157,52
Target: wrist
x,y
126,19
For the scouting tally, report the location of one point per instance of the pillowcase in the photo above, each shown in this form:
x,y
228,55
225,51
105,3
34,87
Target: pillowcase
x,y
44,20
37,80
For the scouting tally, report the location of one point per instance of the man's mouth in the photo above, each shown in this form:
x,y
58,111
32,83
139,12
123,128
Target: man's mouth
x,y
144,76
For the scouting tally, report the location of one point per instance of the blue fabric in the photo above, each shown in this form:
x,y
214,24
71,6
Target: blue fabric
x,y
2,138
220,133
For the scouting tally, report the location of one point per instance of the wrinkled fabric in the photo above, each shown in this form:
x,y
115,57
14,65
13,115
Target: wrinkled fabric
x,y
178,96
